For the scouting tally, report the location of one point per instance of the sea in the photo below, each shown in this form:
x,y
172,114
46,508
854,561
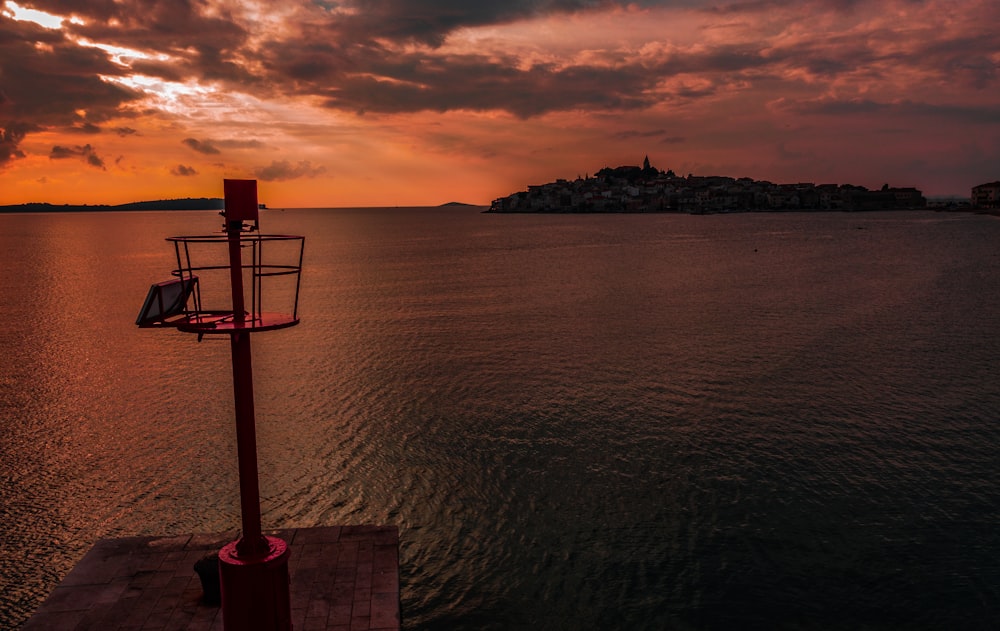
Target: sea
x,y
639,422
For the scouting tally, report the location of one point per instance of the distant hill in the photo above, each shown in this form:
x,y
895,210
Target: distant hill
x,y
448,204
187,203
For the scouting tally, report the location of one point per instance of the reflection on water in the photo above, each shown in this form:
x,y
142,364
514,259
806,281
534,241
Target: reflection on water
x,y
577,422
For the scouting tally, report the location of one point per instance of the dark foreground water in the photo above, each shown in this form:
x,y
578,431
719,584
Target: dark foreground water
x,y
770,421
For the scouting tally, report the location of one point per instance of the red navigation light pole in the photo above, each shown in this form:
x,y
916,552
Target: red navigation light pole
x,y
253,570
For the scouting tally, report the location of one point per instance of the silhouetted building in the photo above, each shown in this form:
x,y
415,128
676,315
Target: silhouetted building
x,y
986,195
908,197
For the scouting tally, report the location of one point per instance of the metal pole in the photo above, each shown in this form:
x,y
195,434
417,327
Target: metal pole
x,y
252,543
253,571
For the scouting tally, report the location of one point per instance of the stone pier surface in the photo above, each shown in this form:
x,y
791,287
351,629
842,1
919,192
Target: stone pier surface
x,y
343,578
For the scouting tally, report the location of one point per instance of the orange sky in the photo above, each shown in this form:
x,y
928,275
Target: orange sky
x,y
420,102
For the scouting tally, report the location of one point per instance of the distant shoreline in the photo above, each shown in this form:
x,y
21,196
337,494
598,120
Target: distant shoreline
x,y
217,204
187,203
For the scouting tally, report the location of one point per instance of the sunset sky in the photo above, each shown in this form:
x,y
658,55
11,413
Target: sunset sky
x,y
420,102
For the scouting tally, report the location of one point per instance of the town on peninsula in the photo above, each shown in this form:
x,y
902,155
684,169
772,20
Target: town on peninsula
x,y
645,189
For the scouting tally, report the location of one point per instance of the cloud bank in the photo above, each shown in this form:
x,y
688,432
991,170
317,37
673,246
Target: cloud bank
x,y
86,153
680,66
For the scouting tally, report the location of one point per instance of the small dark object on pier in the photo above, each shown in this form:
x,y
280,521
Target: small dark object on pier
x,y
207,568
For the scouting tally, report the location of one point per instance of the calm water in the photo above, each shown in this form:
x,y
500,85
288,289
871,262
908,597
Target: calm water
x,y
577,422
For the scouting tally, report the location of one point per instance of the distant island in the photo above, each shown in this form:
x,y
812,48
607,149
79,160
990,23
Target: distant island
x,y
187,203
457,204
633,189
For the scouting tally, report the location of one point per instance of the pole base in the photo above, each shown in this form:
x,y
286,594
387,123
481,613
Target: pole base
x,y
255,593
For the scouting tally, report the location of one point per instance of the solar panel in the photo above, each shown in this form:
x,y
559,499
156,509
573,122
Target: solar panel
x,y
166,300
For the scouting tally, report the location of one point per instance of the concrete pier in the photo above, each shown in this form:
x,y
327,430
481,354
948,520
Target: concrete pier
x,y
343,578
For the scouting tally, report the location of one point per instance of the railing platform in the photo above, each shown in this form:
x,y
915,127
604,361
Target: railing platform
x,y
343,578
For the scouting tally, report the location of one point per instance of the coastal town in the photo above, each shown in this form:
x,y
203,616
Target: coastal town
x,y
645,189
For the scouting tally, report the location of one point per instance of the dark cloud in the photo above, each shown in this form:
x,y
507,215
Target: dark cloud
x,y
124,131
187,27
183,171
659,135
748,6
86,152
204,40
969,61
211,146
398,82
238,144
47,81
85,128
834,107
47,78
985,115
431,21
201,146
59,153
11,137
630,134
280,170
764,6
482,84
356,62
